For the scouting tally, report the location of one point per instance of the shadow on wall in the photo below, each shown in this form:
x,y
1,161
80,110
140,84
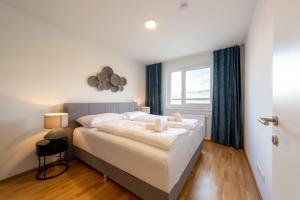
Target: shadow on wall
x,y
21,125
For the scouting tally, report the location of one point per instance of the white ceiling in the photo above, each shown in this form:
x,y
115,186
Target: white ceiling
x,y
118,24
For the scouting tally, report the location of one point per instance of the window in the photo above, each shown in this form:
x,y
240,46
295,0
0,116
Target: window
x,y
176,88
197,84
190,87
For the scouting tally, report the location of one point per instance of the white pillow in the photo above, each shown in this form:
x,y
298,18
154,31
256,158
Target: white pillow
x,y
91,121
132,115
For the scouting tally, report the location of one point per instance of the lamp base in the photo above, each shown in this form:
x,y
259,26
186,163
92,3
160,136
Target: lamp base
x,y
55,134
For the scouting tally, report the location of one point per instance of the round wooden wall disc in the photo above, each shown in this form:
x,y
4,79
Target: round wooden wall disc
x,y
123,81
103,76
115,80
107,85
114,89
93,81
100,86
121,88
108,71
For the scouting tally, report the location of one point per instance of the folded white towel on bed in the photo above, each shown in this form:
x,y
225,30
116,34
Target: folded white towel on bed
x,y
158,126
175,117
190,124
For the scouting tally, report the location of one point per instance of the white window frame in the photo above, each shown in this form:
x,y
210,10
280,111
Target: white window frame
x,y
184,105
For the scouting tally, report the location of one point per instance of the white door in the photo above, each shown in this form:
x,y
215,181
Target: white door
x,y
286,100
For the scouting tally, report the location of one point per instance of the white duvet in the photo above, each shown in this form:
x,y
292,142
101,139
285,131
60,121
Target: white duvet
x,y
138,132
157,167
189,124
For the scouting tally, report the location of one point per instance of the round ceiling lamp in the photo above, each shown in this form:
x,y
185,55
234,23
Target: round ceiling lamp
x,y
150,24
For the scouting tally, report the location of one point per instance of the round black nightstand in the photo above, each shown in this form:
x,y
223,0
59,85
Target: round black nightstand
x,y
49,147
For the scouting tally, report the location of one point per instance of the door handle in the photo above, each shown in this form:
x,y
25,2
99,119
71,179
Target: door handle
x,y
267,121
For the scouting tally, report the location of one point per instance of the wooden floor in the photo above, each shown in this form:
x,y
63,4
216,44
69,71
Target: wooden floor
x,y
221,173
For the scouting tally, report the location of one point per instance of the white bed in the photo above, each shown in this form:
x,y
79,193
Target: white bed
x,y
155,166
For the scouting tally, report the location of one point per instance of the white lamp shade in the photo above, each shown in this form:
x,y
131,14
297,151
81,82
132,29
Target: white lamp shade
x,y
55,120
146,109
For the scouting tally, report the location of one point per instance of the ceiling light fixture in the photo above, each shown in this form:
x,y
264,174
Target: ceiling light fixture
x,y
150,24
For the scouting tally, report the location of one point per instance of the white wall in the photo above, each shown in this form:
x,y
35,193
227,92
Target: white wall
x,y
201,59
41,68
258,95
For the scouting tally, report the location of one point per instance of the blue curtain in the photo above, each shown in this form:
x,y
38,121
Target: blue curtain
x,y
226,103
153,88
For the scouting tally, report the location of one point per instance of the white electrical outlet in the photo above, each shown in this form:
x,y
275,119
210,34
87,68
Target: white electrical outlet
x,y
261,172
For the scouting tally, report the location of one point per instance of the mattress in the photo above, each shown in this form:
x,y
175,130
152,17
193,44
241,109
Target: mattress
x,y
159,168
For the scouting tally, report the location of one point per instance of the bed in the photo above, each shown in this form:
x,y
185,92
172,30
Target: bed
x,y
152,173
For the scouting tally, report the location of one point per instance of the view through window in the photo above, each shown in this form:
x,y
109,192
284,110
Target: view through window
x,y
197,86
190,86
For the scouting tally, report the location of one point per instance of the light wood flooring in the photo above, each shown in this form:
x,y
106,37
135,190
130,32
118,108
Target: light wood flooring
x,y
221,173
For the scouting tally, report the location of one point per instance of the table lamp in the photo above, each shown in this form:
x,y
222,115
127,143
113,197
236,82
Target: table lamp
x,y
56,122
146,109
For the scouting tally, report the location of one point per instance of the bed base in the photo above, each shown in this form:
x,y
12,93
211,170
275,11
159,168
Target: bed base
x,y
133,184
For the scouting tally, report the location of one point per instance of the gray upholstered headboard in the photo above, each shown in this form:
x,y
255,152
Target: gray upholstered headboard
x,y
77,110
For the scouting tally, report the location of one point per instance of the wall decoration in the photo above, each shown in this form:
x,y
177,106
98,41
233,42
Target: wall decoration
x,y
107,80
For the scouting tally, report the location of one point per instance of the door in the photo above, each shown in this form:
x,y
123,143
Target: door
x,y
286,100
